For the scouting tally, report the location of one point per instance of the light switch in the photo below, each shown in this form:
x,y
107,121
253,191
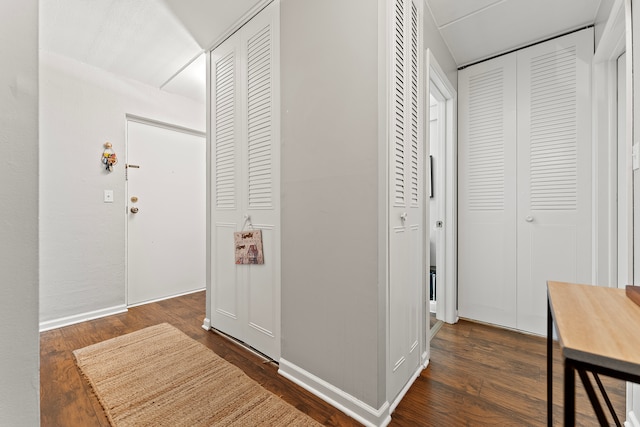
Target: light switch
x,y
108,196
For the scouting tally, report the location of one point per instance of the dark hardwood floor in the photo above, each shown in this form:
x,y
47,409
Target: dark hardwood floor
x,y
478,375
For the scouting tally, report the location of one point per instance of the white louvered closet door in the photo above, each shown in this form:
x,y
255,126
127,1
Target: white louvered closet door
x,y
406,190
524,210
554,171
487,192
245,149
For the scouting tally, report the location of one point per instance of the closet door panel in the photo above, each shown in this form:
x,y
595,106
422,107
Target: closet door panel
x,y
261,177
487,191
554,171
406,195
245,138
227,291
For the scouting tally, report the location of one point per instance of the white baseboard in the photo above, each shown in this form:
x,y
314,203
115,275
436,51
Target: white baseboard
x,y
405,389
82,317
331,394
632,420
193,291
206,324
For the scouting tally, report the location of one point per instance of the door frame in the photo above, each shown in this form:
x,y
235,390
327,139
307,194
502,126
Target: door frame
x,y
616,39
149,122
447,241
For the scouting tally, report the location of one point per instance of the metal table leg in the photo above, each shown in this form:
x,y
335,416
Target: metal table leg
x,y
549,366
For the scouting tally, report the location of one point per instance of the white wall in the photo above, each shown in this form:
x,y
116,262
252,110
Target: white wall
x,y
434,41
601,19
330,312
19,348
333,291
82,239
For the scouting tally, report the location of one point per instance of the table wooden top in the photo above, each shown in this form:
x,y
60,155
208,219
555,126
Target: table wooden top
x,y
597,325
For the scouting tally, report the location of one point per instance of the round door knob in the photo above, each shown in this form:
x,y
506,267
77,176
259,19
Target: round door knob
x,y
529,218
403,216
134,210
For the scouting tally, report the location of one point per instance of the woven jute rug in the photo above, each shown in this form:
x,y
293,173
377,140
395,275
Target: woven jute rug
x,y
159,376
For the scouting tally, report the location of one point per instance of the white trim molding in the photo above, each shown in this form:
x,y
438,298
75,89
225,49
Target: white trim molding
x,y
406,388
336,397
206,324
632,420
82,317
193,291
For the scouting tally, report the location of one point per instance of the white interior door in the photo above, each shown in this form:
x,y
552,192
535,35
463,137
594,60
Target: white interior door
x,y
245,133
406,204
554,171
166,236
487,191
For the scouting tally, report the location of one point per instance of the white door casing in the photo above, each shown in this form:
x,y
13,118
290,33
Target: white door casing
x,y
406,196
166,237
245,181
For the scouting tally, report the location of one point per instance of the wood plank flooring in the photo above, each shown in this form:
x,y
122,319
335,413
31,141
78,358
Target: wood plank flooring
x,y
478,375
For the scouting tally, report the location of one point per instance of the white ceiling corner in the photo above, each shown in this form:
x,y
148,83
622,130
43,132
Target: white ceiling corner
x,y
447,11
190,82
137,39
208,20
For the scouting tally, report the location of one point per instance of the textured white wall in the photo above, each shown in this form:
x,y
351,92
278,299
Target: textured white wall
x,y
82,239
19,354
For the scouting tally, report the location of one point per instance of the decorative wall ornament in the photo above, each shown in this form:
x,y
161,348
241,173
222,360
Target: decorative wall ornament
x,y
109,158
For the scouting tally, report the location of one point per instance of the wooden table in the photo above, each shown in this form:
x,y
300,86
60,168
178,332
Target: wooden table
x,y
599,332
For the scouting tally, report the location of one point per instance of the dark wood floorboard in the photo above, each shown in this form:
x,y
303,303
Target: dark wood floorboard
x,y
478,375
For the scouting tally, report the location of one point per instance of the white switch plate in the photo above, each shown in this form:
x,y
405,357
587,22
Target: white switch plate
x,y
635,156
108,196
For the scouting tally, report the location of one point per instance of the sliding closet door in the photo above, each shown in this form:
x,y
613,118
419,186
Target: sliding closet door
x,y
245,149
554,171
406,204
487,192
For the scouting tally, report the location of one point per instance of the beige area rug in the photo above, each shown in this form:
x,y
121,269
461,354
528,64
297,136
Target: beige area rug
x,y
159,376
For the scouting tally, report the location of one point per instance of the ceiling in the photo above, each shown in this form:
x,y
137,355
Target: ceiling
x,y
160,42
479,29
156,42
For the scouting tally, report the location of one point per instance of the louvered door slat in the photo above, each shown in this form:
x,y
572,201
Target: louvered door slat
x,y
553,154
225,132
399,105
414,170
259,119
486,173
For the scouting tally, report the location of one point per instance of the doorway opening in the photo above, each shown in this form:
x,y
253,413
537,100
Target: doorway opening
x,y
442,176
